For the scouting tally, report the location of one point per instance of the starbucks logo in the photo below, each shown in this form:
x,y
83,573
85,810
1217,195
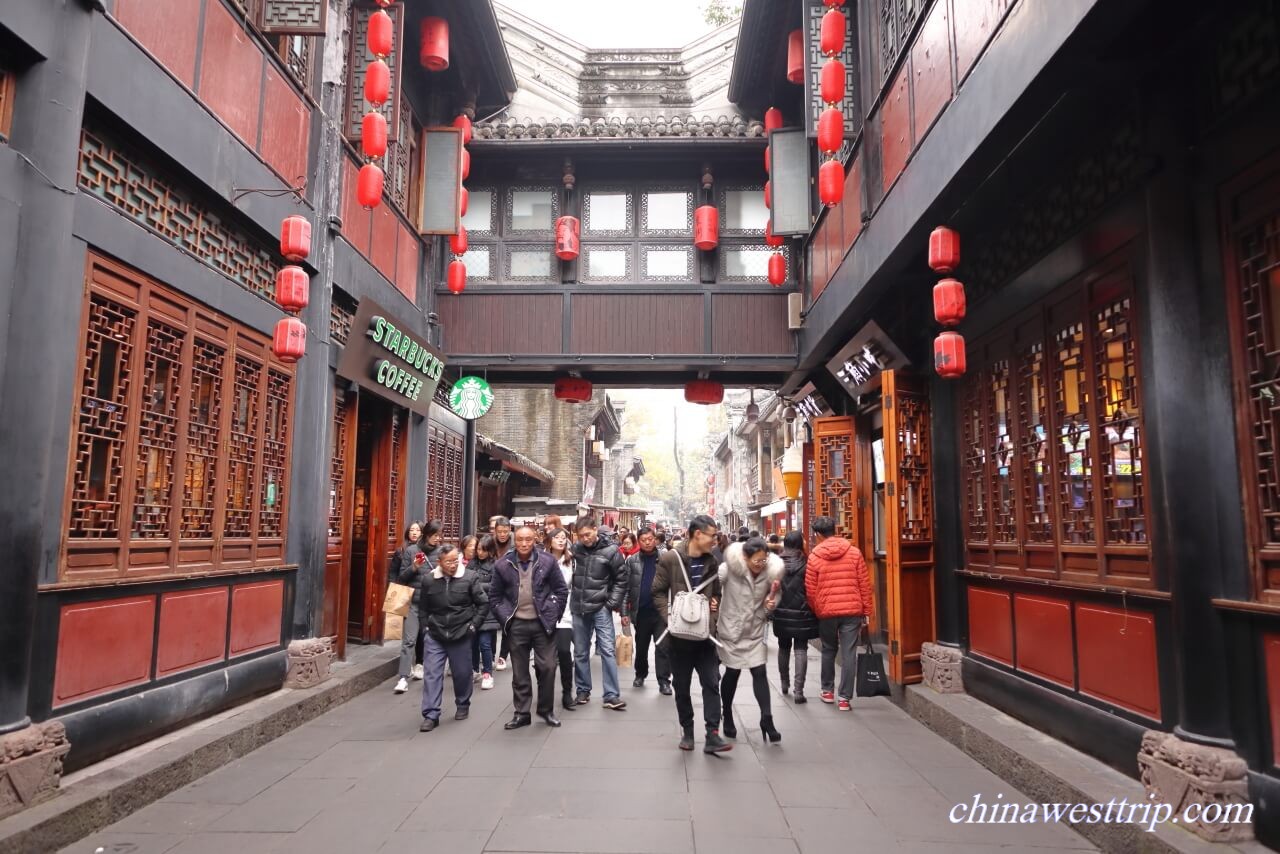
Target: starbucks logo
x,y
471,398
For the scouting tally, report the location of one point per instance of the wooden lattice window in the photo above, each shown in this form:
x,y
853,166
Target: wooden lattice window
x,y
915,474
834,476
8,90
338,465
444,480
358,58
973,437
181,435
395,513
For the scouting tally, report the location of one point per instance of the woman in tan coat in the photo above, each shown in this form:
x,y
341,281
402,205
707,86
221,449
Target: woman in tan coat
x,y
750,577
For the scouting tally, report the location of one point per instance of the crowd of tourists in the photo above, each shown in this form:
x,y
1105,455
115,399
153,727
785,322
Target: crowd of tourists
x,y
700,600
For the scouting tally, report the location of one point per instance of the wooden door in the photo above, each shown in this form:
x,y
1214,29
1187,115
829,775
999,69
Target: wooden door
x,y
835,474
909,557
337,565
370,506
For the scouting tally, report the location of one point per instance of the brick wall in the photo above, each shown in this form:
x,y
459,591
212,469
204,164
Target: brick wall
x,y
533,422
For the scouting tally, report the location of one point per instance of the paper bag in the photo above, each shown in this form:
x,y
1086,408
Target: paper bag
x,y
393,628
399,598
625,650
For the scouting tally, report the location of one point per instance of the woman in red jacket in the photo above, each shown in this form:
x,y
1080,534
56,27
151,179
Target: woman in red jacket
x,y
839,589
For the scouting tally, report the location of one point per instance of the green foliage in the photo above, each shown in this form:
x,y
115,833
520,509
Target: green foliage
x,y
719,12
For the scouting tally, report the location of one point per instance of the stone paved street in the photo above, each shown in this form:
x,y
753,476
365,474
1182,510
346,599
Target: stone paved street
x,y
362,778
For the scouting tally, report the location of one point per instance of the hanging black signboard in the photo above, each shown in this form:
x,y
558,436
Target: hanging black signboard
x,y
386,357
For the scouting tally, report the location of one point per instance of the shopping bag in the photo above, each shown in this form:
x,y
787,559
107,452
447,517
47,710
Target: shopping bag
x,y
398,599
393,629
624,648
872,681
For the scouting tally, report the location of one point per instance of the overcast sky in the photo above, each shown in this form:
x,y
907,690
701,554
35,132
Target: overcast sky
x,y
614,23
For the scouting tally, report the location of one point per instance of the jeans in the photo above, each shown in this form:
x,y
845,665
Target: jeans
x,y
686,657
649,626
482,651
564,651
434,655
409,638
801,658
601,625
841,632
526,635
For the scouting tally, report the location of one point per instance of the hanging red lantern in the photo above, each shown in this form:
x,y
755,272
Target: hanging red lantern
x,y
948,355
831,41
434,50
457,277
948,302
771,239
379,36
777,269
373,134
377,83
567,241
944,250
831,183
830,130
466,164
292,287
385,3
573,389
704,392
464,199
289,342
824,2
459,242
795,56
706,227
295,238
369,186
463,123
772,119
768,194
831,81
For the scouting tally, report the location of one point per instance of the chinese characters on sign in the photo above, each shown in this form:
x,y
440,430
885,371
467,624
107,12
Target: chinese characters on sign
x,y
859,364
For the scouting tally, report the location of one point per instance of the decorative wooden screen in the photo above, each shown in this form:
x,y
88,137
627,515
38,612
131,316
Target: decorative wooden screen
x,y
896,20
814,60
294,17
338,550
402,153
358,58
834,486
172,397
395,502
444,480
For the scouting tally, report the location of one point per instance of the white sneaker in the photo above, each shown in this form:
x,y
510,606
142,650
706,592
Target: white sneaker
x,y
402,685
486,682
500,663
417,671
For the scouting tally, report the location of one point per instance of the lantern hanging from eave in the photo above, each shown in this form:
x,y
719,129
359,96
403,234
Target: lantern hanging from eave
x,y
377,83
568,229
385,3
458,243
777,269
289,341
831,183
706,227
830,130
831,3
944,250
831,81
466,164
573,389
772,119
831,40
379,38
771,239
768,194
433,50
704,392
457,277
369,185
795,57
948,355
948,302
295,238
292,287
373,134
463,123
464,201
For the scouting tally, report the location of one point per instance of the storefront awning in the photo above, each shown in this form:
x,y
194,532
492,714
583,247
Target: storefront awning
x,y
514,460
774,509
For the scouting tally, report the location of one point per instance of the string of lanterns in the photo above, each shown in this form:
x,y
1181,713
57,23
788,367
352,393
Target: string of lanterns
x,y
777,260
380,39
458,243
948,304
831,42
289,339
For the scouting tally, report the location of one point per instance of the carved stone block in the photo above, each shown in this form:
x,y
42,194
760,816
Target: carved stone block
x,y
1181,774
309,661
31,765
941,668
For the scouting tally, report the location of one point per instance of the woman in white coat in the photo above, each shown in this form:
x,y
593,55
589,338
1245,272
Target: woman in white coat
x,y
750,578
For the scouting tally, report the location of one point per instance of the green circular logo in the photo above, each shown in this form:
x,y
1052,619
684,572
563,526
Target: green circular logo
x,y
470,398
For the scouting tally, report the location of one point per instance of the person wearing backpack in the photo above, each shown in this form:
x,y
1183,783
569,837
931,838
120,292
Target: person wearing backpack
x,y
794,623
693,565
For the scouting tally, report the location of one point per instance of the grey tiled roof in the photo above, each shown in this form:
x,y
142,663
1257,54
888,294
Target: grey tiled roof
x,y
721,127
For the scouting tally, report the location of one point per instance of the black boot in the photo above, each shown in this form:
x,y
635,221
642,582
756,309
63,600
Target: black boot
x,y
766,727
686,739
568,701
784,677
726,723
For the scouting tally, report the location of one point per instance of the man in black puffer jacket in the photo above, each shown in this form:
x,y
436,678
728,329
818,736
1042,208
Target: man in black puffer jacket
x,y
452,608
599,587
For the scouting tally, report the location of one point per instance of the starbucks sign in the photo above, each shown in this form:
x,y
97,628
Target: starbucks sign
x,y
471,398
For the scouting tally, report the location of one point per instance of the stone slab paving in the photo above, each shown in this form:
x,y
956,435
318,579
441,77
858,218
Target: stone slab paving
x,y
361,778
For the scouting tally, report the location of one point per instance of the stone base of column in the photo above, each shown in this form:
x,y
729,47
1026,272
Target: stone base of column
x,y
31,765
1180,773
309,661
941,668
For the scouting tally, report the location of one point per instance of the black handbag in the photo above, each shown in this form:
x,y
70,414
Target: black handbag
x,y
872,681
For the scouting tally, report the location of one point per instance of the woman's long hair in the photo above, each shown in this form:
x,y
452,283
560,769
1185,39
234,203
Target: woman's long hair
x,y
435,526
408,541
793,542
488,545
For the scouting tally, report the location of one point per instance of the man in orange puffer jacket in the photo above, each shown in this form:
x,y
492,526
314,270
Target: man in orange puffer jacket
x,y
839,590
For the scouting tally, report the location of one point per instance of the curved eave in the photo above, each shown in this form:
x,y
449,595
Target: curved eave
x,y
758,77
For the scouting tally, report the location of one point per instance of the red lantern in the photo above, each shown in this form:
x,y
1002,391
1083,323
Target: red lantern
x,y
295,238
768,194
944,250
825,2
384,3
289,342
373,134
830,130
948,302
705,392
292,286
379,35
948,355
831,183
831,81
464,199
457,277
466,164
706,227
777,269
463,123
573,389
377,83
831,41
567,231
369,186
795,56
771,239
434,51
772,119
459,242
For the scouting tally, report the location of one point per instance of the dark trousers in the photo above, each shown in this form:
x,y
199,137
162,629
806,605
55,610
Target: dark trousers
x,y
458,654
526,635
564,652
686,657
840,633
649,627
759,684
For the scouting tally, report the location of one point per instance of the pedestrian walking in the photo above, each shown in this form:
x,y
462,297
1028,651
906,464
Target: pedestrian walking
x,y
467,546
691,565
751,578
482,648
627,545
558,548
794,623
429,543
502,538
638,610
409,568
599,586
529,595
839,590
453,606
